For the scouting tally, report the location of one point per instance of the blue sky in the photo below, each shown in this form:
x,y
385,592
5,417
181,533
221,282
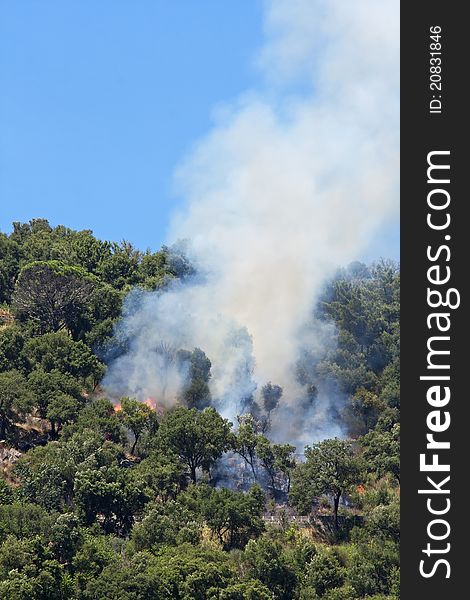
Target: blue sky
x,y
101,100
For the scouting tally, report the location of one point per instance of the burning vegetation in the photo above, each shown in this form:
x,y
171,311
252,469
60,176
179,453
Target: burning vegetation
x,y
197,422
203,460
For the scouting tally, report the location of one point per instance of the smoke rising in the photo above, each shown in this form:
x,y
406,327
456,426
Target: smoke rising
x,y
293,180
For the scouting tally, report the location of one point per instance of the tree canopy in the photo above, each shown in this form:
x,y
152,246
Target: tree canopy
x,y
198,438
109,499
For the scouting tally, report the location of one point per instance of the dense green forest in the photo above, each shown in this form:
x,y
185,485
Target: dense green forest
x,y
106,502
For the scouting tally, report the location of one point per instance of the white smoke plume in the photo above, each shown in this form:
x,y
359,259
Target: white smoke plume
x,y
293,180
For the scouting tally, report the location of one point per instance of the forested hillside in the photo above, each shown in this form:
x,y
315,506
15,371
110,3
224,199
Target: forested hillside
x,y
113,499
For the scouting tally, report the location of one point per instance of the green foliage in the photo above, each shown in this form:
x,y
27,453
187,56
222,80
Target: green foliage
x,y
87,252
198,438
97,321
7,493
107,494
331,467
169,523
9,266
186,572
265,560
11,345
47,474
271,395
27,571
382,523
45,486
366,407
57,351
99,416
52,294
324,572
277,460
57,396
62,409
65,537
196,393
372,569
234,517
246,590
382,451
119,269
94,555
16,399
161,475
363,304
137,417
23,520
345,592
98,507
246,440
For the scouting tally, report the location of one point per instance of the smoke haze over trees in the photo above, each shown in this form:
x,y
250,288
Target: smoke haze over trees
x,y
102,499
294,180
219,419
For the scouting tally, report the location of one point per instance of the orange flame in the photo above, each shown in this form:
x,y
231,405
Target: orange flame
x,y
360,489
151,403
